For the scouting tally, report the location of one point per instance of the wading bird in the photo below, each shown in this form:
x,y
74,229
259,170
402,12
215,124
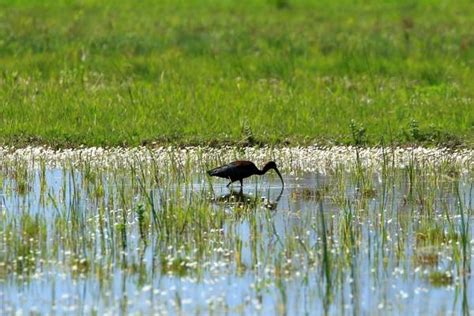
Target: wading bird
x,y
241,169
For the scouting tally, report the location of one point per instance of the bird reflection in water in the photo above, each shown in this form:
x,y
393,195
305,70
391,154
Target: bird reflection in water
x,y
240,199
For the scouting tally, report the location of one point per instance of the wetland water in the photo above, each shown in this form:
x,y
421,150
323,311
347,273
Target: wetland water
x,y
146,231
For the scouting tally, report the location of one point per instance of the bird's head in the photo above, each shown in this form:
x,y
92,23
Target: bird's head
x,y
272,165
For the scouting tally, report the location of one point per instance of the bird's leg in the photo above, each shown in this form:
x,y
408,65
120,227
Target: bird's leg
x,y
241,184
229,183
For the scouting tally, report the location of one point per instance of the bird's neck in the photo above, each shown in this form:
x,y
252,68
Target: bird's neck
x,y
263,171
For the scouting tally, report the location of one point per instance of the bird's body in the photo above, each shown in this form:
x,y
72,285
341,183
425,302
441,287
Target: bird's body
x,y
241,169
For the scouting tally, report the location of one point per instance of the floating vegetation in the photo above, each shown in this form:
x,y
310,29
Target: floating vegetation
x,y
144,230
438,278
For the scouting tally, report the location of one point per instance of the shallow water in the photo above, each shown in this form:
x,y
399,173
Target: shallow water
x,y
346,240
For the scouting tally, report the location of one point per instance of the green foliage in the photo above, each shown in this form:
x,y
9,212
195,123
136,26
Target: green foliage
x,y
142,221
358,133
102,73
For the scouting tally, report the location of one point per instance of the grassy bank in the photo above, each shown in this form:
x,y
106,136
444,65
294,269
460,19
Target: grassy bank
x,y
188,72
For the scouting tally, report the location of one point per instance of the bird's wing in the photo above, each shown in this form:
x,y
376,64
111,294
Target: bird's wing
x,y
230,169
242,163
217,171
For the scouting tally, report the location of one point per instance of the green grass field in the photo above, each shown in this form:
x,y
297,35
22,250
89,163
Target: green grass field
x,y
213,72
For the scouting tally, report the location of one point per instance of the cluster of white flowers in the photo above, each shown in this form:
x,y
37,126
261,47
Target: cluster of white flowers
x,y
306,159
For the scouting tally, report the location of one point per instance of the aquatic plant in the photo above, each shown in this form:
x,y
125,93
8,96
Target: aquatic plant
x,y
144,230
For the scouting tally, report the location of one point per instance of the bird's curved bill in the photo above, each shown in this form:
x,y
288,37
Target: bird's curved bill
x,y
281,178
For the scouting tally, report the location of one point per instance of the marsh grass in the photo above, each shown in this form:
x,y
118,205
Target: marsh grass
x,y
161,232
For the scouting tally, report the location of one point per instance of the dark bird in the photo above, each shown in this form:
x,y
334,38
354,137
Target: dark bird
x,y
241,169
